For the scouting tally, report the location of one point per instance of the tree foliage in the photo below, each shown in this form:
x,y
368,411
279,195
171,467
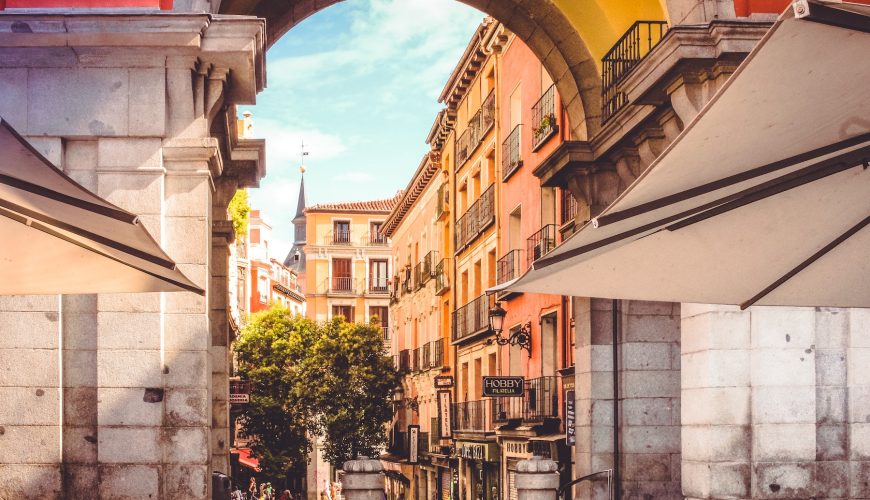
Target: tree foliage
x,y
239,211
331,379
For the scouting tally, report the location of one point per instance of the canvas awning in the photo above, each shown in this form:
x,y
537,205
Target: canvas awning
x,y
764,198
59,238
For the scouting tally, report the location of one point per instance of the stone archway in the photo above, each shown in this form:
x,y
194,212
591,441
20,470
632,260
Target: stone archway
x,y
541,24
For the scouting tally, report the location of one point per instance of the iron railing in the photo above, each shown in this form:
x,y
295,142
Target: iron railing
x,y
415,360
407,284
437,353
442,282
341,284
541,243
377,239
386,332
429,262
378,284
510,266
625,54
418,275
426,356
487,114
473,415
394,289
471,318
479,216
568,207
544,124
540,402
404,360
462,149
341,237
511,153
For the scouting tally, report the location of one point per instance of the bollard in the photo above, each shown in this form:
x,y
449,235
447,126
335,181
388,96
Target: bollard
x,y
537,479
363,479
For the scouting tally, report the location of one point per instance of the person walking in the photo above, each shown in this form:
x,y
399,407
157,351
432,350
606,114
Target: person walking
x,y
252,489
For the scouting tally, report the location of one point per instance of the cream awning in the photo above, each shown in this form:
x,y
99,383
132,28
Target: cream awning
x,y
764,198
59,237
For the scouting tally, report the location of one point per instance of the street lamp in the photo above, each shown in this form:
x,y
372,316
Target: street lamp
x,y
521,337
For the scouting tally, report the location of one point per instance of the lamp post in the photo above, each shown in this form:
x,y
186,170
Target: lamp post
x,y
521,337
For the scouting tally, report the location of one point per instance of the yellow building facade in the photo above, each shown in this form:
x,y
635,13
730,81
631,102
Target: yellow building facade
x,y
348,261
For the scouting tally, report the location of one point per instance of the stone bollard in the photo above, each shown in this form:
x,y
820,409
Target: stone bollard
x,y
363,479
537,479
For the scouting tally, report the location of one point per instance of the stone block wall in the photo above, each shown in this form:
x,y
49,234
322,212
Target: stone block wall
x,y
648,351
123,395
774,402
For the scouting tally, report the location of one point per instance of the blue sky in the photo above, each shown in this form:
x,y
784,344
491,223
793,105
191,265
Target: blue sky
x,y
359,83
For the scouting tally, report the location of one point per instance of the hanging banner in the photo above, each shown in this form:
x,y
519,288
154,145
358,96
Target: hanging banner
x,y
444,414
570,430
413,444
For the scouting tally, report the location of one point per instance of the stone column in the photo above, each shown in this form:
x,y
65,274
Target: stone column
x,y
363,479
537,479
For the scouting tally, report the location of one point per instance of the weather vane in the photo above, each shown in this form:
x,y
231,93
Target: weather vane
x,y
303,155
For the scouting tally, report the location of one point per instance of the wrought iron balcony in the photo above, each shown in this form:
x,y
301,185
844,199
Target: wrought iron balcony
x,y
442,206
479,216
407,283
472,318
426,356
462,149
541,243
487,114
442,282
473,416
511,153
568,207
341,284
341,237
540,402
430,260
544,122
628,51
379,284
376,239
405,361
437,353
510,266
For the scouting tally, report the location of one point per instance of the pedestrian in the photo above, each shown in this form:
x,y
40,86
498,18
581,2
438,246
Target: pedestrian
x,y
252,488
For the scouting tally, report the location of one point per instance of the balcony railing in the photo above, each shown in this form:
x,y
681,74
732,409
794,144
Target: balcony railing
x,y
429,262
442,283
626,53
474,222
540,402
437,353
376,239
416,357
341,237
473,416
541,243
462,149
407,284
568,208
341,284
511,153
487,114
544,123
510,266
386,332
471,318
426,356
394,289
405,360
379,284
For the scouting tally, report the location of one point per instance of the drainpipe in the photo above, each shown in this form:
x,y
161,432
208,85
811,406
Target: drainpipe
x,y
615,335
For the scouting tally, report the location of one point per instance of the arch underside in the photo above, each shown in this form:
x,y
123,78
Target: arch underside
x,y
568,36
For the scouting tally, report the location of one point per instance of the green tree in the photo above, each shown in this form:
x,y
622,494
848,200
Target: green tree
x,y
239,210
276,421
355,380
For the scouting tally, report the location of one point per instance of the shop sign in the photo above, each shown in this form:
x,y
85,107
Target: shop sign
x,y
444,414
503,387
477,451
413,444
240,392
443,381
570,430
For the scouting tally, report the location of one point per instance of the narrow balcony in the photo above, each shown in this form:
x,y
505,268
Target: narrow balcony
x,y
437,353
511,153
473,416
405,361
625,54
442,282
426,357
472,318
407,283
442,206
341,285
379,285
567,211
510,266
462,149
544,124
479,216
376,239
385,330
539,403
416,357
341,237
540,244
430,260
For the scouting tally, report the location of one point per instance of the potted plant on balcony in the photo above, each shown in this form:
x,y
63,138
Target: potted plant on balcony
x,y
548,123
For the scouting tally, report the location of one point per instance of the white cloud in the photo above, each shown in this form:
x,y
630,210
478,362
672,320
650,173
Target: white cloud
x,y
355,177
284,141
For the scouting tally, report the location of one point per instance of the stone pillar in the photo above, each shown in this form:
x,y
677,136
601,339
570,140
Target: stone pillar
x,y
363,479
537,479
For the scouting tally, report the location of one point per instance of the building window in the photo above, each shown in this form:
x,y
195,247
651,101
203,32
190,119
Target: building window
x,y
378,276
341,232
263,288
382,313
344,311
341,275
376,238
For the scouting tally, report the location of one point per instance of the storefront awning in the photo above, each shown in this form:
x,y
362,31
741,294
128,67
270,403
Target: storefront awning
x,y
246,460
764,198
61,238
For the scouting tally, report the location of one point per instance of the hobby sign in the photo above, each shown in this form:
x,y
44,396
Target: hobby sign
x,y
500,387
